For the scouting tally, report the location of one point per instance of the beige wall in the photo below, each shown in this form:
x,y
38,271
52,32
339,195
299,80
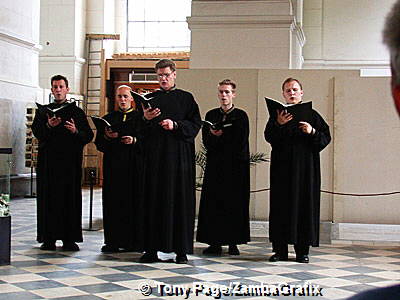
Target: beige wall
x,y
365,129
344,34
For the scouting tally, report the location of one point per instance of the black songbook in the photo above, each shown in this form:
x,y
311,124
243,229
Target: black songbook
x,y
140,99
101,124
300,111
45,110
147,103
217,125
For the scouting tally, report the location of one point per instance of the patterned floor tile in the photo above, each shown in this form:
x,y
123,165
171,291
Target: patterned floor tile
x,y
54,293
9,288
81,280
21,278
101,288
119,277
20,296
341,270
39,284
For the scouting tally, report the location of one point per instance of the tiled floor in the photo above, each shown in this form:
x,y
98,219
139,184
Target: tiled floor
x,y
340,270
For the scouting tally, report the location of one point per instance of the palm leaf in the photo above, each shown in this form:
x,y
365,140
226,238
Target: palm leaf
x,y
258,157
201,159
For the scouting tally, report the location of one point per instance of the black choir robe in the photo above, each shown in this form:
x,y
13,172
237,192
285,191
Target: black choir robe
x,y
224,204
59,173
168,206
120,178
295,181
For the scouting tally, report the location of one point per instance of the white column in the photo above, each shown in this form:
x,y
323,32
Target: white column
x,y
101,20
62,34
245,34
19,51
121,20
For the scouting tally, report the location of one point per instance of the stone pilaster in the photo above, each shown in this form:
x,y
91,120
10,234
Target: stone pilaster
x,y
245,34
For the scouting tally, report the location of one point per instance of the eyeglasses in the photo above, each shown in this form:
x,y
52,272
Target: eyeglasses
x,y
166,75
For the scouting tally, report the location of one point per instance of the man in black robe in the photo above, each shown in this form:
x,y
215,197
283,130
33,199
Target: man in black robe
x,y
295,177
118,144
224,204
59,169
168,206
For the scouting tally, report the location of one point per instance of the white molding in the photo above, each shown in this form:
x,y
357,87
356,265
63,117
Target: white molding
x,y
61,59
375,72
344,64
343,232
368,232
19,41
243,21
20,83
299,33
259,229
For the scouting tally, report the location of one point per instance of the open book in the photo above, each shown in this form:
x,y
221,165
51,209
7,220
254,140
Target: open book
x,y
146,102
45,110
101,124
300,111
218,125
140,99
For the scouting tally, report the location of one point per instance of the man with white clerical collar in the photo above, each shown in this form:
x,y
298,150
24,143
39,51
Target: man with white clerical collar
x,y
62,137
295,176
118,143
224,202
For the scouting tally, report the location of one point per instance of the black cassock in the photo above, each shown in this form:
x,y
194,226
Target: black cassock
x,y
59,173
168,206
224,204
120,180
295,181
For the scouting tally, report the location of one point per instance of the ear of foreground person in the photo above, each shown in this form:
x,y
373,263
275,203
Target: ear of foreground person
x,y
396,95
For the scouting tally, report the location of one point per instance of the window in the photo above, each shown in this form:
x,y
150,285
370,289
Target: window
x,y
155,25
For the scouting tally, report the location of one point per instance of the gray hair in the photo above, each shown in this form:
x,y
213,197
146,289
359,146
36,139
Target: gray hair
x,y
391,37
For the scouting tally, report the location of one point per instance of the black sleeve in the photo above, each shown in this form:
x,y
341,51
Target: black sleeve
x,y
241,137
85,133
40,128
189,127
274,133
211,142
322,137
102,143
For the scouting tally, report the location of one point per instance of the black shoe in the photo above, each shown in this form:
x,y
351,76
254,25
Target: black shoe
x,y
50,246
109,248
233,250
277,257
149,257
213,250
181,259
303,259
70,246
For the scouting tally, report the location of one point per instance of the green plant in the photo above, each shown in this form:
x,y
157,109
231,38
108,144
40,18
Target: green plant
x,y
201,160
4,205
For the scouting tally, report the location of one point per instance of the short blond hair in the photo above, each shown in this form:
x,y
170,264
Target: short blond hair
x,y
124,86
228,82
